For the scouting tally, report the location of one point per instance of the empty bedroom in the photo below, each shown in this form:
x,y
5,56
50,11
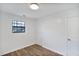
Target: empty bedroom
x,y
39,29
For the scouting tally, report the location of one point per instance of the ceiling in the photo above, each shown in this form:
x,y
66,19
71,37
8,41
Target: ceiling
x,y
44,9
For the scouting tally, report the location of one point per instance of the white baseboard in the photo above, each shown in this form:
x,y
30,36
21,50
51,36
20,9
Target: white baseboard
x,y
53,50
3,53
27,46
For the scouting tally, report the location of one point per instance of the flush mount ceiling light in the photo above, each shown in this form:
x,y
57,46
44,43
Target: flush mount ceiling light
x,y
34,6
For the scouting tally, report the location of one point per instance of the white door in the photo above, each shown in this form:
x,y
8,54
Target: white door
x,y
73,36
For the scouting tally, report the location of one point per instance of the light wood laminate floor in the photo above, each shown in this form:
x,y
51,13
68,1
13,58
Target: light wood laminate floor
x,y
34,50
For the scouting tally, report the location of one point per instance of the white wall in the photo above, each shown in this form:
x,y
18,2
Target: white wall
x,y
51,33
55,29
13,41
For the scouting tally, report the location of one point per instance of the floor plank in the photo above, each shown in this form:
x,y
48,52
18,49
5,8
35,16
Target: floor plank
x,y
34,50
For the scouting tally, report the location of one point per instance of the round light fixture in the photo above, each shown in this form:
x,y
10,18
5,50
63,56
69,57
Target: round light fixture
x,y
34,6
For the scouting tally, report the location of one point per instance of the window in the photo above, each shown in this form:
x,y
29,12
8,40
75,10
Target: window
x,y
18,27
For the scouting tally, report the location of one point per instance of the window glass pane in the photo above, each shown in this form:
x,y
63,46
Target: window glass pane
x,y
18,26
